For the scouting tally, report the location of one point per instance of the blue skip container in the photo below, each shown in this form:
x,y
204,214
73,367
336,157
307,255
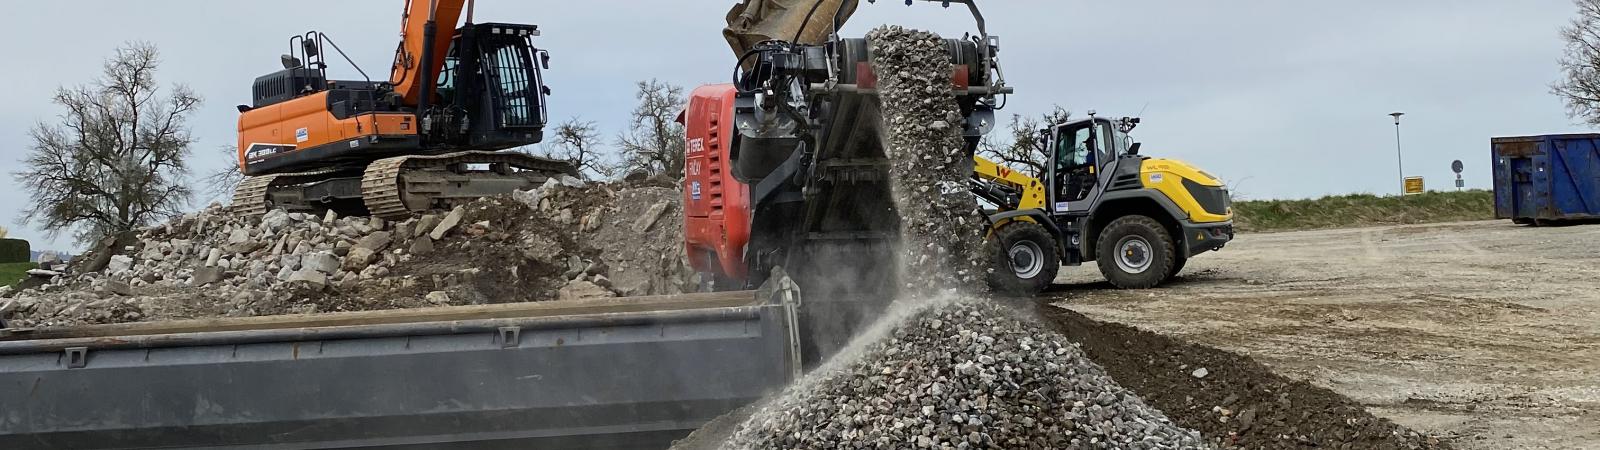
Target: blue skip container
x,y
1549,178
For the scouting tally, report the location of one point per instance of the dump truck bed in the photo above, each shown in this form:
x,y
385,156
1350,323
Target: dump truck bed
x,y
615,373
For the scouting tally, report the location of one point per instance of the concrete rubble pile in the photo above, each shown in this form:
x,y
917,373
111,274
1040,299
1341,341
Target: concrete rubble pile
x,y
530,246
945,368
637,228
968,374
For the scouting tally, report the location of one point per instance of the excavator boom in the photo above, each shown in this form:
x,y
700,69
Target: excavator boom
x,y
412,68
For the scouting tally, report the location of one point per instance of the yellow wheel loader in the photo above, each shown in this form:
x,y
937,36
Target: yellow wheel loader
x,y
1139,218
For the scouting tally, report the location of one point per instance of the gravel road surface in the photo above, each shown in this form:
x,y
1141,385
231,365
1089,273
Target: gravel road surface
x,y
1485,334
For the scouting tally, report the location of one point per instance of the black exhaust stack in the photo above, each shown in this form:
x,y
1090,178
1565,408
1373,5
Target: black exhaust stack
x,y
429,32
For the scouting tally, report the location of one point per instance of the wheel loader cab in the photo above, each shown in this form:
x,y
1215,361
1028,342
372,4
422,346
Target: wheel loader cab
x,y
1084,150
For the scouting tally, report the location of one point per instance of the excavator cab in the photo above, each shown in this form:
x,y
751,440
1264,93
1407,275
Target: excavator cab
x,y
490,93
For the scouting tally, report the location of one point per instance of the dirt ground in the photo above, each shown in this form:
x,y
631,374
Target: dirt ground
x,y
1484,334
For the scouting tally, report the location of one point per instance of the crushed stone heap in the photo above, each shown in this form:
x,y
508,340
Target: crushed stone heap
x,y
942,243
965,374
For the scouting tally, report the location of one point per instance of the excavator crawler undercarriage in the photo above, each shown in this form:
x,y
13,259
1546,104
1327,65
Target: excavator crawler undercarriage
x,y
393,188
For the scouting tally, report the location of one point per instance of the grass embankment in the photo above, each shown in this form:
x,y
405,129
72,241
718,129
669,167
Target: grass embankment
x,y
1358,210
13,273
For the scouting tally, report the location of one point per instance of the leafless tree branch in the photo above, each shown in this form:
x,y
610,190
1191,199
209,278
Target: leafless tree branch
x,y
115,159
1579,86
655,141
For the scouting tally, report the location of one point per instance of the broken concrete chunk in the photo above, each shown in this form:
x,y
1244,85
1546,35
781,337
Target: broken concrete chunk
x,y
207,275
119,264
651,216
376,242
314,278
323,261
359,258
42,273
580,289
425,225
438,297
118,288
448,223
422,246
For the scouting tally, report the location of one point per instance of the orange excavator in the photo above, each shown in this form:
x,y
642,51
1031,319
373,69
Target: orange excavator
x,y
429,137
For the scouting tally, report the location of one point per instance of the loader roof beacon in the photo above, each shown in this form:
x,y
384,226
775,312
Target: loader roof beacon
x,y
427,137
801,181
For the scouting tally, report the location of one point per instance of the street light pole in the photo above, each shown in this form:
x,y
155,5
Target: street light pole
x,y
1398,158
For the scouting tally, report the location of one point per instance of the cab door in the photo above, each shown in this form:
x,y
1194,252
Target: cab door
x,y
1084,159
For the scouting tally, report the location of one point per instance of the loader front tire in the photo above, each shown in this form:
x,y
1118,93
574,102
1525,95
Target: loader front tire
x,y
1026,259
1135,252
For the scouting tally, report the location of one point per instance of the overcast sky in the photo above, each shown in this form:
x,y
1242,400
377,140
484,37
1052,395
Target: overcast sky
x,y
1284,99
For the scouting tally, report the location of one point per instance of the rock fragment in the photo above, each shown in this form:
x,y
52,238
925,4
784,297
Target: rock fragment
x,y
448,223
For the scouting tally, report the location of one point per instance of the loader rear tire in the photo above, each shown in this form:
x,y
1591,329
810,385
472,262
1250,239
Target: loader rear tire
x,y
1135,252
1026,259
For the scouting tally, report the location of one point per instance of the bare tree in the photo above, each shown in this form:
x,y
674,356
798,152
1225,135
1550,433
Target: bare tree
x,y
654,142
1022,146
1580,84
115,161
578,142
222,181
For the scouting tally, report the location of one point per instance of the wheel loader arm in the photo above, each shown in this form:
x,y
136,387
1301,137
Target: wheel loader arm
x,y
1029,190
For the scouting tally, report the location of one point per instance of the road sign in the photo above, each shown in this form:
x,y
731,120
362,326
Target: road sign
x,y
1457,167
1414,185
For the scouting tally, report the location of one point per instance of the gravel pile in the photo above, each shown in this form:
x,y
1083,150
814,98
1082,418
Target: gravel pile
x,y
528,246
939,224
965,374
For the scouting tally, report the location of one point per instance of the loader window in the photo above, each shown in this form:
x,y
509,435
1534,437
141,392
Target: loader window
x,y
1077,154
1107,149
1072,149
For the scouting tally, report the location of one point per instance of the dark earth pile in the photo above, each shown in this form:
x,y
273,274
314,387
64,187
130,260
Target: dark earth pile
x,y
941,243
1237,402
967,374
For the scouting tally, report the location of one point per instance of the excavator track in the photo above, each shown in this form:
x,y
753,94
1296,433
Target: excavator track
x,y
385,190
380,188
252,197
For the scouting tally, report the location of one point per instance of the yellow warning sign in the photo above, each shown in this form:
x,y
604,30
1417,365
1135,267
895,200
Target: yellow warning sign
x,y
1414,185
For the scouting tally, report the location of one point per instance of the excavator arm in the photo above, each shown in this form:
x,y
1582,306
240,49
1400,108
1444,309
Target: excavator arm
x,y
413,67
799,21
